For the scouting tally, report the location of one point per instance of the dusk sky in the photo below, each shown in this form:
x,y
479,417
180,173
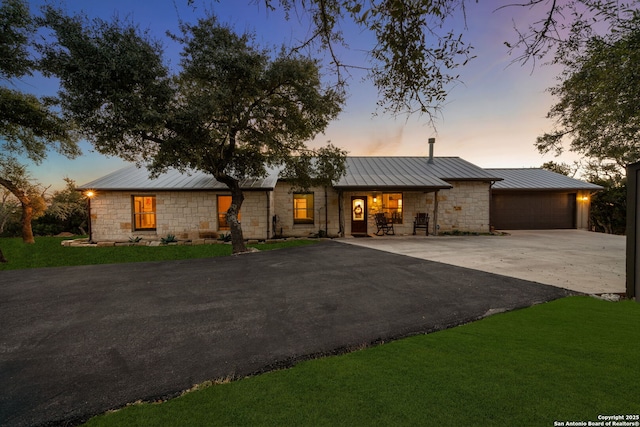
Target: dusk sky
x,y
491,119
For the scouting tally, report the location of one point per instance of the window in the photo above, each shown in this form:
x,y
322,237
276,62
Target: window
x,y
224,202
392,206
303,208
144,213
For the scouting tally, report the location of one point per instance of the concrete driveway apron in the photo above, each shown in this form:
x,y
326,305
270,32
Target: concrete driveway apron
x,y
77,341
592,263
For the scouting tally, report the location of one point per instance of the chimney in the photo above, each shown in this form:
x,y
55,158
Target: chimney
x,y
431,142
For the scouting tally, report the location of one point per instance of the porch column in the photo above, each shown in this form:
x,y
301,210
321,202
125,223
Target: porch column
x,y
340,214
435,213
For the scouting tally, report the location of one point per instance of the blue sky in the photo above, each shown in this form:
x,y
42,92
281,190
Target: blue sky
x,y
491,119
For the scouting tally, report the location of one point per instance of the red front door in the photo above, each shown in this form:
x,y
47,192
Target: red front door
x,y
359,214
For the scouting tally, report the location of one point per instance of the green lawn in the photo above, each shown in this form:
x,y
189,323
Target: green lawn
x,y
568,360
48,252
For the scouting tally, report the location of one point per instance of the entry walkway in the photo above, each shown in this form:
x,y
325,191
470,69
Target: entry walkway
x,y
592,263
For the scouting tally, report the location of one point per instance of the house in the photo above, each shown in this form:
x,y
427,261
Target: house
x,y
456,194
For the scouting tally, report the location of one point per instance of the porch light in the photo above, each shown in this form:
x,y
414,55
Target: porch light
x,y
375,198
584,198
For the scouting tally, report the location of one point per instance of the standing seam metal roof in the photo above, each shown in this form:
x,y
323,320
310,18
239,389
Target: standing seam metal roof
x,y
135,178
538,179
362,172
416,172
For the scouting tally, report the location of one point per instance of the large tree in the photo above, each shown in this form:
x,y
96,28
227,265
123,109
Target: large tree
x,y
231,110
597,111
29,125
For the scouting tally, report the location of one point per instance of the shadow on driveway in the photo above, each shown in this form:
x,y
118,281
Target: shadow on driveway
x,y
77,341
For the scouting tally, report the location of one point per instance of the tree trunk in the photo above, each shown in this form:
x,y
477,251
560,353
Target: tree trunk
x,y
27,209
27,216
237,197
2,258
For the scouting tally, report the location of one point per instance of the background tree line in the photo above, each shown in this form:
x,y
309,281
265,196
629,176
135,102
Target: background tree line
x,y
62,211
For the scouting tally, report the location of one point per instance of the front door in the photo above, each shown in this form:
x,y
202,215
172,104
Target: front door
x,y
359,214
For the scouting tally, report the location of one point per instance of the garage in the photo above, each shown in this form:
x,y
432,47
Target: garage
x,y
539,199
533,210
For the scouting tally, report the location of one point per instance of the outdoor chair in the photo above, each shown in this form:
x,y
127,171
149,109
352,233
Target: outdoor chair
x,y
384,224
421,221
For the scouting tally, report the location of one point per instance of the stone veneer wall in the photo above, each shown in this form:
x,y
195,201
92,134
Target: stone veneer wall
x,y
183,213
583,205
464,207
283,208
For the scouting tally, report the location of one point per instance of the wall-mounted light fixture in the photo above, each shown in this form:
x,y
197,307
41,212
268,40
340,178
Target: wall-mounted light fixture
x,y
375,198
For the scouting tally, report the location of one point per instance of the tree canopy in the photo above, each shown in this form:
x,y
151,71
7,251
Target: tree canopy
x,y
597,112
417,50
232,110
419,45
29,125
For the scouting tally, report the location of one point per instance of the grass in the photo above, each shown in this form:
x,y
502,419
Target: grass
x,y
568,360
48,252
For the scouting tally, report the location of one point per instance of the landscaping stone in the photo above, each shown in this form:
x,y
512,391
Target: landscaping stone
x,y
105,244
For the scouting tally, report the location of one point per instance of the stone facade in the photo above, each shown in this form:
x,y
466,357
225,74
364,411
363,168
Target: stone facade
x,y
325,218
194,214
185,214
464,207
583,204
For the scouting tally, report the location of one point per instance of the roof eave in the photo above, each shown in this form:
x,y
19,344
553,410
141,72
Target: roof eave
x,y
150,189
538,189
482,179
391,188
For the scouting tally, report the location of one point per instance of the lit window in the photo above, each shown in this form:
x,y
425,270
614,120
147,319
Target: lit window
x,y
303,208
392,206
224,203
144,213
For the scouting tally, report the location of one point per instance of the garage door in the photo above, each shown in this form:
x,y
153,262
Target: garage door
x,y
533,211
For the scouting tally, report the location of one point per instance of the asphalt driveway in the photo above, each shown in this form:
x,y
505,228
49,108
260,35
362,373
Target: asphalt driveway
x,y
77,341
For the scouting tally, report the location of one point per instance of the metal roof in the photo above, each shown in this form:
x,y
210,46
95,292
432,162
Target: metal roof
x,y
361,173
538,179
409,172
136,178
